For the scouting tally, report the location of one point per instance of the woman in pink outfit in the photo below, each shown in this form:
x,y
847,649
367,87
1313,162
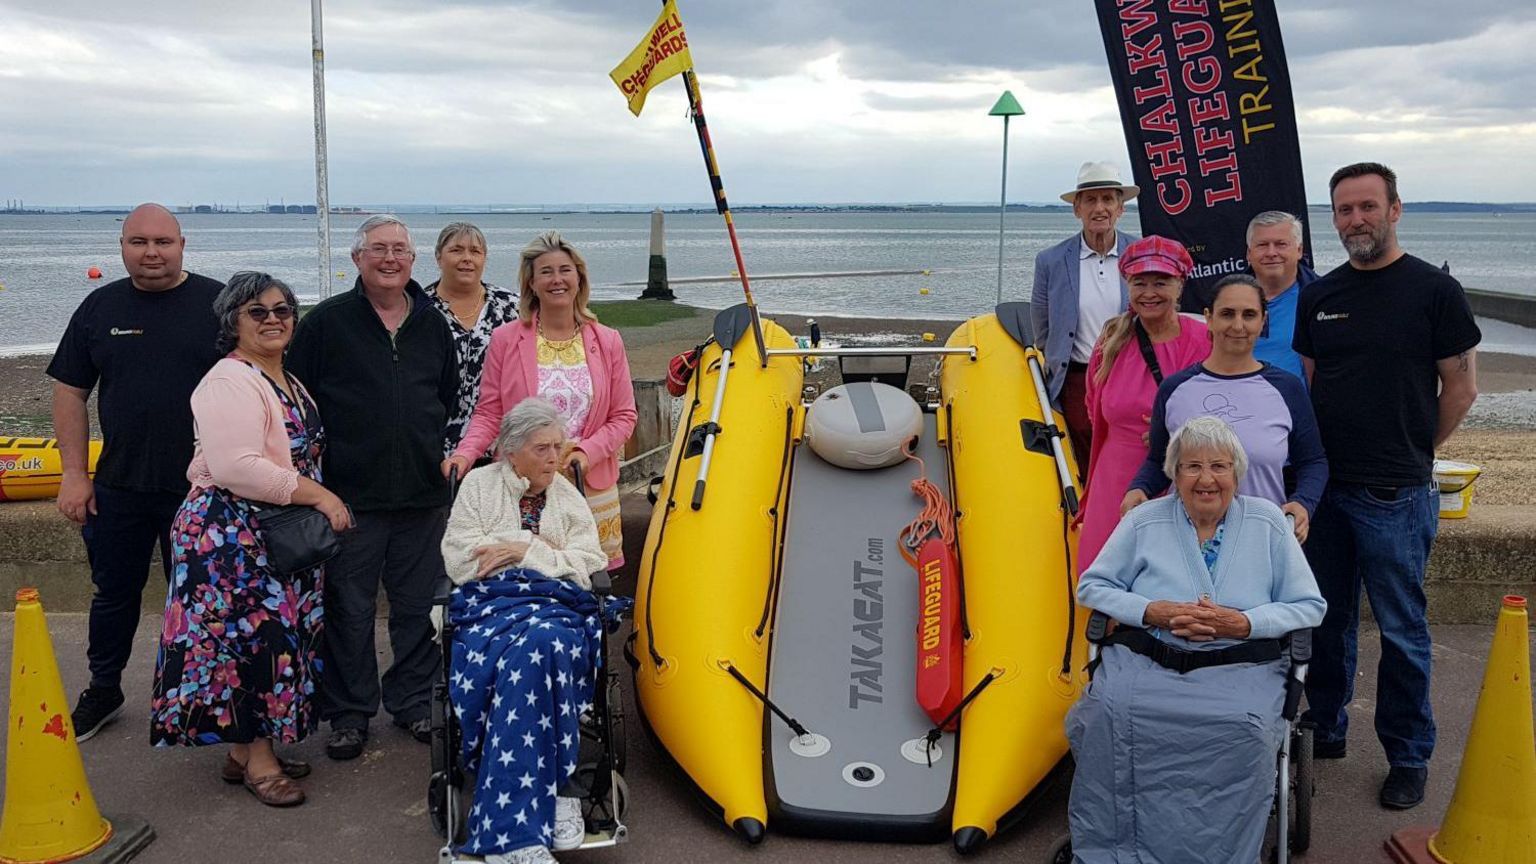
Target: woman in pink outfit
x,y
1121,385
558,351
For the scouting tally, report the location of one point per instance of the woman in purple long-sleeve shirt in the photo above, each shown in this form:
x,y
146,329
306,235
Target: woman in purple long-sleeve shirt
x,y
1266,406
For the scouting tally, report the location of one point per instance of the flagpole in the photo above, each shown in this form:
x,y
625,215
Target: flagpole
x,y
322,182
696,109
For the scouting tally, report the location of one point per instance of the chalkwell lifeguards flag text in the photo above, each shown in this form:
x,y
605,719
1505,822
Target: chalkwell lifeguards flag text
x,y
660,55
1205,99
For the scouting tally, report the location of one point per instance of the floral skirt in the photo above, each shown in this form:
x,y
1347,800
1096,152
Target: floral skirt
x,y
239,649
610,523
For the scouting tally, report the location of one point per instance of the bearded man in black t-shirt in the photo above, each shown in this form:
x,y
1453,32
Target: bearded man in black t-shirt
x,y
1389,346
146,340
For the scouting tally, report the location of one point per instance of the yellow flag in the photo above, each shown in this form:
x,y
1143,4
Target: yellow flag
x,y
660,55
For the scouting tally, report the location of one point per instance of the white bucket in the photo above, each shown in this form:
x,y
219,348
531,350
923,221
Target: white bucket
x,y
1455,480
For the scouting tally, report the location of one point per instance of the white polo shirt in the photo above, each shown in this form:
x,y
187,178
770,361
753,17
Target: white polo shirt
x,y
1098,298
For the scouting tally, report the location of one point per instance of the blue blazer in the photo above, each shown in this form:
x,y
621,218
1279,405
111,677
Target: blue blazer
x,y
1053,305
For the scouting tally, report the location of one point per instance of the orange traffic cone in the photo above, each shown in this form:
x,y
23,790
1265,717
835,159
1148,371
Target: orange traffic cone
x,y
50,814
1492,817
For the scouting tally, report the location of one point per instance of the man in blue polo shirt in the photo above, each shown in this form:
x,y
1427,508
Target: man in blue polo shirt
x,y
1274,256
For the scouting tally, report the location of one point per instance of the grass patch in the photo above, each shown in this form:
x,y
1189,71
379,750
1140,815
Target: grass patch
x,y
26,425
640,313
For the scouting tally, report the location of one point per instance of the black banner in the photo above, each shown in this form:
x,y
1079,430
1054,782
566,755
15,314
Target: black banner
x,y
1205,98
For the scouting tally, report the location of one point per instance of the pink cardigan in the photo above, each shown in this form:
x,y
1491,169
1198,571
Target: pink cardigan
x,y
242,444
512,374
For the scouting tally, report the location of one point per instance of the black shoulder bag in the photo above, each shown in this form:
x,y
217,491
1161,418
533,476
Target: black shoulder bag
x,y
298,536
1148,356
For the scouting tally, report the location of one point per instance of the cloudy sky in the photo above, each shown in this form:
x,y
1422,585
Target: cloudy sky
x,y
189,101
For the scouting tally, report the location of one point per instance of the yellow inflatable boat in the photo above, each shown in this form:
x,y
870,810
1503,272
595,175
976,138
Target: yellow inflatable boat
x,y
777,631
31,468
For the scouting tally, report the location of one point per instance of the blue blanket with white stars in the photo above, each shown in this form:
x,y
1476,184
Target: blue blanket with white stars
x,y
526,655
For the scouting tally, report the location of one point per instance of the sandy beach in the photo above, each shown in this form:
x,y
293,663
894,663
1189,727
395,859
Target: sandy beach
x,y
1498,434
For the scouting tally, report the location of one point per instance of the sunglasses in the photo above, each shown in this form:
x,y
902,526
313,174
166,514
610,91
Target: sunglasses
x,y
281,312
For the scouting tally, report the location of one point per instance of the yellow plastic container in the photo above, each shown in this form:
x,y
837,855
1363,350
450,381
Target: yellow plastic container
x,y
1454,480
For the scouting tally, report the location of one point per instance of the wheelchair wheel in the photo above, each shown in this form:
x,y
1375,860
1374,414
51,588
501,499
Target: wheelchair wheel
x,y
440,794
621,792
618,731
1302,790
1061,851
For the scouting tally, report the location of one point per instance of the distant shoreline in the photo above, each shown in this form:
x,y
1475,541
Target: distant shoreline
x,y
1517,207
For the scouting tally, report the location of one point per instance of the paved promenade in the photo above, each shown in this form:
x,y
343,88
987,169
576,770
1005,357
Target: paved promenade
x,y
373,809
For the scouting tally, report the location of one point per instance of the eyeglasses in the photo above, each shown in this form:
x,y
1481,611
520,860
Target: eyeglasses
x,y
281,312
399,250
1195,469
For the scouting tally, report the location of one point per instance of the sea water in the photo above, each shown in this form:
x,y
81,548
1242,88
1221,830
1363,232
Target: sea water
x,y
948,261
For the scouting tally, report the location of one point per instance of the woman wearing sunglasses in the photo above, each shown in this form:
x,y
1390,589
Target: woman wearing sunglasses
x,y
237,660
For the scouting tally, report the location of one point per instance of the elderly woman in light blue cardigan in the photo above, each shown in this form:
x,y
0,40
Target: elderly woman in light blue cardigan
x,y
1176,736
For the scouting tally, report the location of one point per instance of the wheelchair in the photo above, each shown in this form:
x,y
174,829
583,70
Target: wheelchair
x,y
1291,813
599,779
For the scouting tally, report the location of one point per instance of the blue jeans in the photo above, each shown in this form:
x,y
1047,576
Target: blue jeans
x,y
1358,538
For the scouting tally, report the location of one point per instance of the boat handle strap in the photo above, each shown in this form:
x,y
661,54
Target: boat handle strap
x,y
937,732
789,721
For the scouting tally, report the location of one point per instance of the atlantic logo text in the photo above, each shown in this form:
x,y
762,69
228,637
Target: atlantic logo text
x,y
1220,268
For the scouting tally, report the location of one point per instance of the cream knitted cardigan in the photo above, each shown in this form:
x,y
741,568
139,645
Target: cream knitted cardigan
x,y
487,511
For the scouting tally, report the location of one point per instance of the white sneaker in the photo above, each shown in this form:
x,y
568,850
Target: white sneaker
x,y
570,828
536,854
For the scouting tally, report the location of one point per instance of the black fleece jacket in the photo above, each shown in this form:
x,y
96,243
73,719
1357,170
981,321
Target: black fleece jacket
x,y
383,402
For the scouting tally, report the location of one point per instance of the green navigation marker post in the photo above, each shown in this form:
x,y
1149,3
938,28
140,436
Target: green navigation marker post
x,y
1006,107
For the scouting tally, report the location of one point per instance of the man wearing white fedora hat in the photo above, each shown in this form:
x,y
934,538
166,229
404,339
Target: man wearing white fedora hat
x,y
1078,289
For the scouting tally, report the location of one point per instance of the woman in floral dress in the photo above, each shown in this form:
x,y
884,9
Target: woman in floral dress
x,y
238,661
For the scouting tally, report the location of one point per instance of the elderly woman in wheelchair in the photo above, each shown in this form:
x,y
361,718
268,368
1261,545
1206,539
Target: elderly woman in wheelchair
x,y
1175,738
520,545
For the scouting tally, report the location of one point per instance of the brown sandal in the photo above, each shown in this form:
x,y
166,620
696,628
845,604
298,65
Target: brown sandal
x,y
234,773
275,790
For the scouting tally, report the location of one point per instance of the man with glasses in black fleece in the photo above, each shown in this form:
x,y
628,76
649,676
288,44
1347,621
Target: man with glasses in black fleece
x,y
146,340
380,363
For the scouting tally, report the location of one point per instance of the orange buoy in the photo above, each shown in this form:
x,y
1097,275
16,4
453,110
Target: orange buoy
x,y
93,273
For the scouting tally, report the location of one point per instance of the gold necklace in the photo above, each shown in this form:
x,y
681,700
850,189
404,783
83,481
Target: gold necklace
x,y
473,317
561,352
560,343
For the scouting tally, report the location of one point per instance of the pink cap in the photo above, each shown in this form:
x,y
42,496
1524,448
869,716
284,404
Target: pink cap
x,y
1156,255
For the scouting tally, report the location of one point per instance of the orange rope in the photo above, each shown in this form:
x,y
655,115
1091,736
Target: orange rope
x,y
936,518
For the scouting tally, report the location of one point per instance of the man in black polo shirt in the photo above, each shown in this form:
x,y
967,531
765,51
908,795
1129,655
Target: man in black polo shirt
x,y
381,364
147,340
1388,342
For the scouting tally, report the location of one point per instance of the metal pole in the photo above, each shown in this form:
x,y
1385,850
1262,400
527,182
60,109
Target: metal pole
x,y
1001,210
322,195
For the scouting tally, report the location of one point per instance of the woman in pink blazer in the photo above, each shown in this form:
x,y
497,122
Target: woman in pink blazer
x,y
239,643
557,350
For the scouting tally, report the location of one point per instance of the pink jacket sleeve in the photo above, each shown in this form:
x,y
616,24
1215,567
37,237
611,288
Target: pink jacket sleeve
x,y
1097,424
485,422
233,420
606,440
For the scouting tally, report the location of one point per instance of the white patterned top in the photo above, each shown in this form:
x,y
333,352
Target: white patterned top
x,y
565,380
